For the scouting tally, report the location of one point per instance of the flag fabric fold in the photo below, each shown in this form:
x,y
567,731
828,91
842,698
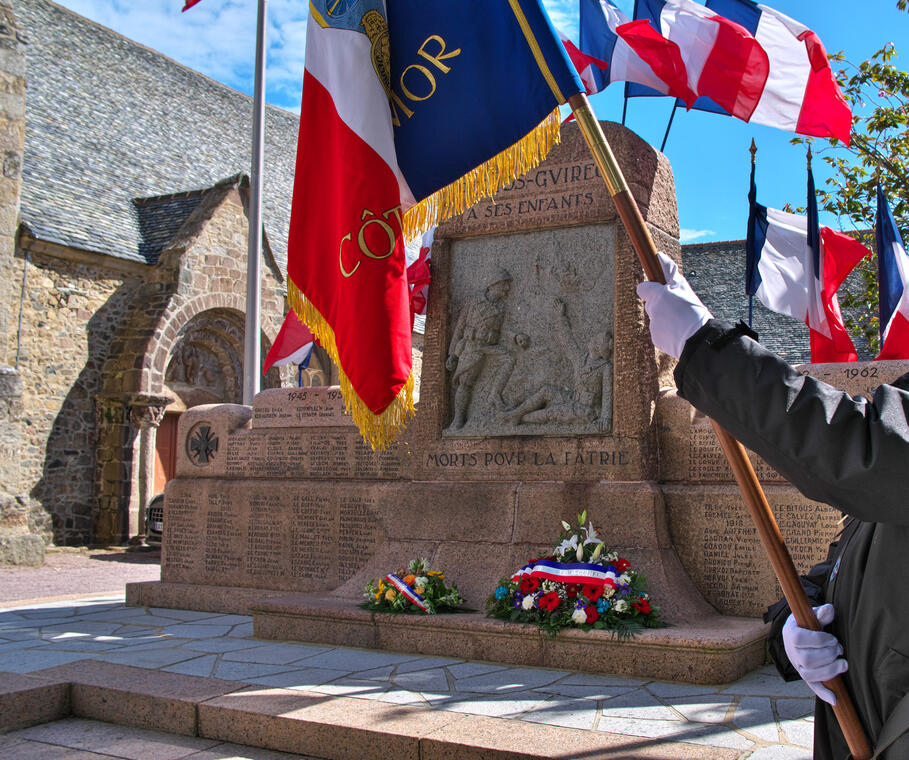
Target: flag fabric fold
x,y
293,344
893,282
190,4
789,277
411,113
750,61
616,49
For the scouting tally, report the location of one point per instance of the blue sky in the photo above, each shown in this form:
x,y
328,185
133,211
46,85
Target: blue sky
x,y
709,153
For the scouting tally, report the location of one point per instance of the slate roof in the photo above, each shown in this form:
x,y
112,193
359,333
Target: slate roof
x,y
109,121
716,272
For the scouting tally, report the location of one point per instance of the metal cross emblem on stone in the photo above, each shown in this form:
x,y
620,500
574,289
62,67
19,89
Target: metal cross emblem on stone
x,y
202,445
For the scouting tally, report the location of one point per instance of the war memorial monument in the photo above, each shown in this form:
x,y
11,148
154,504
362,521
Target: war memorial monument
x,y
541,396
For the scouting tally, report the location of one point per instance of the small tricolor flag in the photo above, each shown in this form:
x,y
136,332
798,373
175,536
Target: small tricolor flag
x,y
411,113
293,344
750,61
893,280
791,277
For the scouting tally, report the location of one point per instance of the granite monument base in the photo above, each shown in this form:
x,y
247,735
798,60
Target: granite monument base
x,y
283,498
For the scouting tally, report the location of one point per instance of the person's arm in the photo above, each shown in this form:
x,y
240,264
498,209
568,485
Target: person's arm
x,y
847,452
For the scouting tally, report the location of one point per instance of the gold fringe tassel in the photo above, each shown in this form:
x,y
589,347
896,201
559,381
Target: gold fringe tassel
x,y
377,430
484,181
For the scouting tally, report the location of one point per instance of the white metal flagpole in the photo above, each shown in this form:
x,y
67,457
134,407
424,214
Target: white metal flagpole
x,y
252,345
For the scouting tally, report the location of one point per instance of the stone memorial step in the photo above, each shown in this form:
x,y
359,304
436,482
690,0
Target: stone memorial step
x,y
717,649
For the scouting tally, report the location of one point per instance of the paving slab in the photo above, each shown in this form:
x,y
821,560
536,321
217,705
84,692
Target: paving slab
x,y
113,740
757,714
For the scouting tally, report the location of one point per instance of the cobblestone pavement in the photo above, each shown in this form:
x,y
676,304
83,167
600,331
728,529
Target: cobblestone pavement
x,y
761,716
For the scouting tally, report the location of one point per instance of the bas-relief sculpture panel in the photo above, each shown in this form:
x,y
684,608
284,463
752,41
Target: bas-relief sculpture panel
x,y
530,349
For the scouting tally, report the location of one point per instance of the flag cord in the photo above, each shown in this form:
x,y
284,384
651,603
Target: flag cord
x,y
744,473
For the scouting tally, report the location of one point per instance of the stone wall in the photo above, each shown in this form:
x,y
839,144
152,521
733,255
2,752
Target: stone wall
x,y
193,300
97,337
17,516
70,313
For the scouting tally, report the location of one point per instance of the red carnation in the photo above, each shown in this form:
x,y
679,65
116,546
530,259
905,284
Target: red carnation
x,y
622,565
529,585
571,590
642,606
549,601
592,591
592,614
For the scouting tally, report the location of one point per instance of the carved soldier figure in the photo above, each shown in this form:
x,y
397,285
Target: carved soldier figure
x,y
583,403
476,336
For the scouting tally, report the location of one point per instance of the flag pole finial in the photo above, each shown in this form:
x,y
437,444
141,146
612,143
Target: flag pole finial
x,y
809,157
753,151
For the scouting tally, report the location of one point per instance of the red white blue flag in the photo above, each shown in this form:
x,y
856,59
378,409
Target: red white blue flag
x,y
893,281
412,111
750,61
616,49
790,277
293,344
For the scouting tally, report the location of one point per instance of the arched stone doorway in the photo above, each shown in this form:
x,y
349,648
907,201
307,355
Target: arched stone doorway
x,y
205,366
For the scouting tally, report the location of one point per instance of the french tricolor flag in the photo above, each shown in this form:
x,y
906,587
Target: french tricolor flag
x,y
750,61
293,345
616,49
893,280
789,277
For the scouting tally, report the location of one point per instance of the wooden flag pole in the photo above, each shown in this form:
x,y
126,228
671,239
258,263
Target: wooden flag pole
x,y
753,495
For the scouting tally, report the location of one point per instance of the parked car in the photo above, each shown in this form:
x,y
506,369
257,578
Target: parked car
x,y
154,520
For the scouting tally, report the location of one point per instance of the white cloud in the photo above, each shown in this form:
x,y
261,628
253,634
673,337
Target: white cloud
x,y
690,236
215,37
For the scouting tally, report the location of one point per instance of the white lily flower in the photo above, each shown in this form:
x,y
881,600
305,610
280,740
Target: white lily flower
x,y
580,553
569,544
592,537
566,525
597,552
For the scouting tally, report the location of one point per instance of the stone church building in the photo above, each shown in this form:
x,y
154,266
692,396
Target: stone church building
x,y
123,239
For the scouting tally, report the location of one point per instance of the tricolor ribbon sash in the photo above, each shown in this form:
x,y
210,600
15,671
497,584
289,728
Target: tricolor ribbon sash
x,y
567,572
403,588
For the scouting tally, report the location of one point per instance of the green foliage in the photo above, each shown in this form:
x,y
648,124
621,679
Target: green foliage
x,y
879,150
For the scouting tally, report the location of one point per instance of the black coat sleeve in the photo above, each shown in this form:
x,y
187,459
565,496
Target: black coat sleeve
x,y
847,452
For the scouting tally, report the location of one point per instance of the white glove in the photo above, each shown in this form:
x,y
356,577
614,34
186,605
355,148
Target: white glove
x,y
675,312
815,654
